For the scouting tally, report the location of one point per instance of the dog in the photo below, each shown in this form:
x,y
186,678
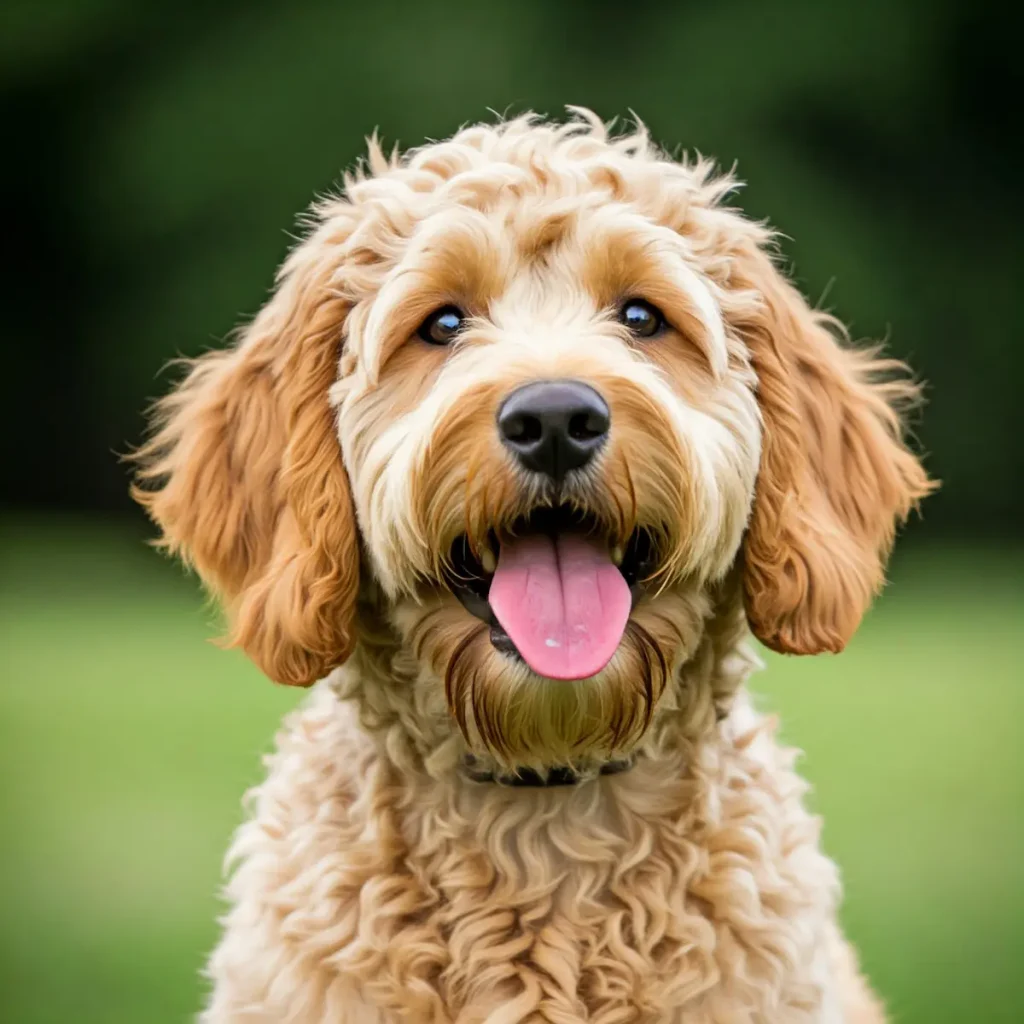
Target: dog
x,y
530,438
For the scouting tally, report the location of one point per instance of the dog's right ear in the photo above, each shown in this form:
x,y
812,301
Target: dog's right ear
x,y
243,474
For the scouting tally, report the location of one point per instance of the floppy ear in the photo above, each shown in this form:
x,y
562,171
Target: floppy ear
x,y
244,476
835,476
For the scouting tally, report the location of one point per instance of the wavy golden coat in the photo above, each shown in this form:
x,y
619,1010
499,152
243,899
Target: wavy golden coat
x,y
320,473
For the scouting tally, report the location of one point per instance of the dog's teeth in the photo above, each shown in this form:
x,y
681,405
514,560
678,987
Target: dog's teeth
x,y
487,560
617,554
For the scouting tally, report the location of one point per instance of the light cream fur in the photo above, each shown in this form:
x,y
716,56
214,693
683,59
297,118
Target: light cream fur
x,y
317,475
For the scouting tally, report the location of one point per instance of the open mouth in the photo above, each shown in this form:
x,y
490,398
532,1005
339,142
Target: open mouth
x,y
554,590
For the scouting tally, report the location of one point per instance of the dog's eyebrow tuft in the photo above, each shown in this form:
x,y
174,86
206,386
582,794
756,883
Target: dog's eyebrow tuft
x,y
627,257
453,259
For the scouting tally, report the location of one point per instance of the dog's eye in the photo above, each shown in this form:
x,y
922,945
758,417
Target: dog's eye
x,y
441,327
643,319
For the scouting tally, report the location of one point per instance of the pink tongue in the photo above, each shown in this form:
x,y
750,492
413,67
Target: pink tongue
x,y
562,602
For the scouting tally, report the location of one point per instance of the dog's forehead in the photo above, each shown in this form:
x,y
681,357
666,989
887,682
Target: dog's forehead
x,y
526,231
529,264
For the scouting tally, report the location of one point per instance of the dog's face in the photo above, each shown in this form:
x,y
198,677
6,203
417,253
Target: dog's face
x,y
552,441
541,392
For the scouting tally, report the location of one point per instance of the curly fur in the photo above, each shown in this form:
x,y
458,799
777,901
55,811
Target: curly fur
x,y
317,473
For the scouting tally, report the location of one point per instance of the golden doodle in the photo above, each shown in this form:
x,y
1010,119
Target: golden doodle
x,y
531,436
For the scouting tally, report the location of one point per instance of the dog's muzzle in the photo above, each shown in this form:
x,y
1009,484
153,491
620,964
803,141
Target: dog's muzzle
x,y
555,560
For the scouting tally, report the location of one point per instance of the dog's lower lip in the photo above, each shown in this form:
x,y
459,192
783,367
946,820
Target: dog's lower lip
x,y
502,642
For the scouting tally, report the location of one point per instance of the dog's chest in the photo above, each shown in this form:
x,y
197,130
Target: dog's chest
x,y
613,905
628,900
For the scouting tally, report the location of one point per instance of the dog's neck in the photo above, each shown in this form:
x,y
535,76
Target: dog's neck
x,y
404,709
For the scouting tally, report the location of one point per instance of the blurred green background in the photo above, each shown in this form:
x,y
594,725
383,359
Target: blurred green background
x,y
157,153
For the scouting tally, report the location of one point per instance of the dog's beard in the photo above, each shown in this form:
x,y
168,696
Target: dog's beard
x,y
523,720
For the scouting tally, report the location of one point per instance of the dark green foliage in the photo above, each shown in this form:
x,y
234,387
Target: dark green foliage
x,y
157,153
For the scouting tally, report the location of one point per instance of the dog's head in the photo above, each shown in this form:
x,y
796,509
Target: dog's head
x,y
542,392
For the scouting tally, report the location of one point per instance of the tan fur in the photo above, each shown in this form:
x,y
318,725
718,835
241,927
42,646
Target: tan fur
x,y
317,474
244,475
835,477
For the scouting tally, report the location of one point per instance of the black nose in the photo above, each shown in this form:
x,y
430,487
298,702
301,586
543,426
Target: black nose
x,y
554,425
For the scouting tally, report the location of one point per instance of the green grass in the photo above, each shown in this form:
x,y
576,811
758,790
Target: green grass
x,y
126,742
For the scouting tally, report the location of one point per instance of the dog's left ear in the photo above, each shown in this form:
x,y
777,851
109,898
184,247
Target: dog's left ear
x,y
244,476
835,476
